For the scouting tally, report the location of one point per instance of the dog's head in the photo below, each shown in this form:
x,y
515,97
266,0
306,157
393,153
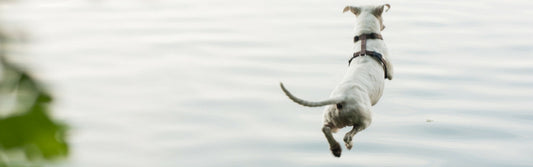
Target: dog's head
x,y
369,15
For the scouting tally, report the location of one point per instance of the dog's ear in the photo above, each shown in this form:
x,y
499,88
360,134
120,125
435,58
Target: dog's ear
x,y
379,10
353,9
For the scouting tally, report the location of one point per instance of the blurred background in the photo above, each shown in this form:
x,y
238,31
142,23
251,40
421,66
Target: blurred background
x,y
195,83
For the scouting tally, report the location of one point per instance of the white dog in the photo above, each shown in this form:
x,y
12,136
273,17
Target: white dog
x,y
362,86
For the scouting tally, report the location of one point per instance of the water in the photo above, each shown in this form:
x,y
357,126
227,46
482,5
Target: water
x,y
195,83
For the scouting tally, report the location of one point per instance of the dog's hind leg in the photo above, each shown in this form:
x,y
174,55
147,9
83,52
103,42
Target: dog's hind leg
x,y
356,128
333,145
349,135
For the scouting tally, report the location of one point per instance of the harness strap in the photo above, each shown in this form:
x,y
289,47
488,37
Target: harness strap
x,y
363,44
364,52
368,36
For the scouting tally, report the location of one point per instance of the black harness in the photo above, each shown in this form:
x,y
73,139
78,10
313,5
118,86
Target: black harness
x,y
363,52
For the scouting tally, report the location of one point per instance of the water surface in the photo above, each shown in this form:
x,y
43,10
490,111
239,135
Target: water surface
x,y
195,83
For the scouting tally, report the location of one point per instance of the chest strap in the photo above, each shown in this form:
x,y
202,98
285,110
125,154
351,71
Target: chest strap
x,y
363,52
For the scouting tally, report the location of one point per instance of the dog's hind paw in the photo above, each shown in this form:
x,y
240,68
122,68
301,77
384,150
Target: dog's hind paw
x,y
349,145
336,150
347,138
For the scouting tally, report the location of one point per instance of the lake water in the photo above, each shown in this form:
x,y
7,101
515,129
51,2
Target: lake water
x,y
195,83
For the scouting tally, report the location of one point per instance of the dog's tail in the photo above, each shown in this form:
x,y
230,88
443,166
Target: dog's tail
x,y
310,103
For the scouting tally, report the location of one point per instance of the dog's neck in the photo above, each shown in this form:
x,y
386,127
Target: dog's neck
x,y
366,24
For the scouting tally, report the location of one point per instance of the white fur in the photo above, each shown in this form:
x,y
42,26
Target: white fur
x,y
361,87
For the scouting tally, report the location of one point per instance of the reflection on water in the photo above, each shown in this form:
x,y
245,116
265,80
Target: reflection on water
x,y
196,82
